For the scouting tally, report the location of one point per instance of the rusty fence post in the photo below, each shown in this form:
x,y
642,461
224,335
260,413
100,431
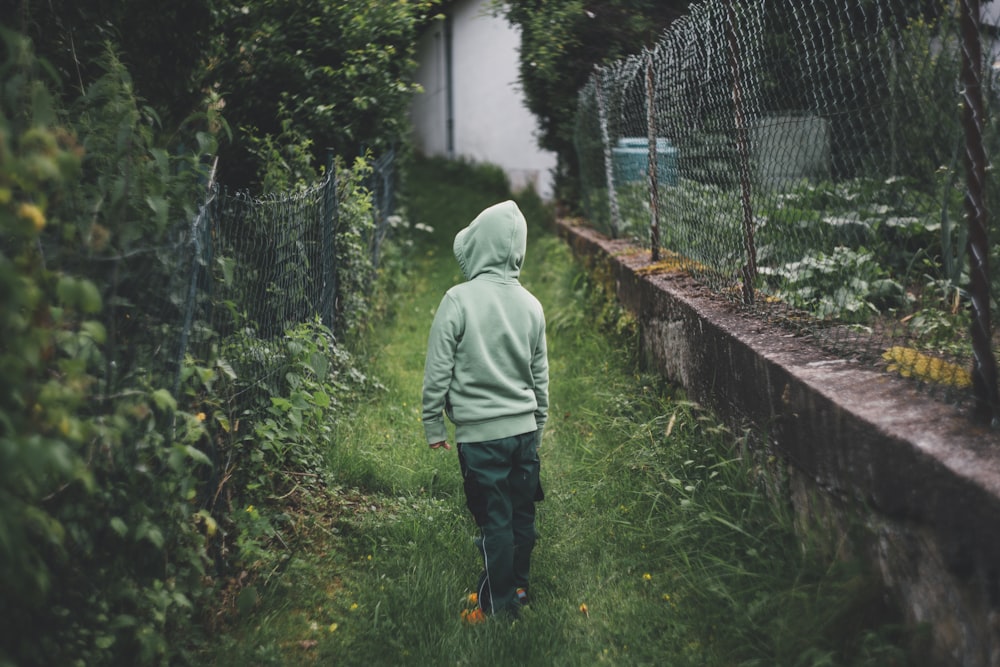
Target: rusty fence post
x,y
749,268
984,370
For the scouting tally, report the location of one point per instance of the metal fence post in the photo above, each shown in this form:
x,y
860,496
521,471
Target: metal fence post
x,y
984,371
653,164
200,225
608,167
328,300
749,269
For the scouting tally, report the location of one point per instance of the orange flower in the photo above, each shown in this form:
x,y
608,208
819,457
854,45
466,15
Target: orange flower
x,y
473,616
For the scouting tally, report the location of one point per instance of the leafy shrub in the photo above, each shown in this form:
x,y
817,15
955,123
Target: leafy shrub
x,y
102,548
39,430
288,440
273,454
340,71
352,246
845,285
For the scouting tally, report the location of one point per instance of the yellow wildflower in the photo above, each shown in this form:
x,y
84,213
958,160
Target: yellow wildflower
x,y
32,214
912,363
647,577
333,627
200,416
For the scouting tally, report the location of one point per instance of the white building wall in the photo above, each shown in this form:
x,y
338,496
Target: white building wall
x,y
491,124
429,111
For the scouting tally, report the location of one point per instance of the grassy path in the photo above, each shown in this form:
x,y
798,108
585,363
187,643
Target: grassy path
x,y
657,544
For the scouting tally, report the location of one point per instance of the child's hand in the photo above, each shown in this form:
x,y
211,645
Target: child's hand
x,y
438,445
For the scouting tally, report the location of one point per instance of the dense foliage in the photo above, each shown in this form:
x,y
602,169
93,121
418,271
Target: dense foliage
x,y
165,46
135,489
339,71
101,551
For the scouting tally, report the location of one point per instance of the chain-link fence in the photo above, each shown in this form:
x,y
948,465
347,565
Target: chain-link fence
x,y
259,266
818,161
382,184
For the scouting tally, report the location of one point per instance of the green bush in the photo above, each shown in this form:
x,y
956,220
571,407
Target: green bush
x,y
103,548
41,392
340,71
125,502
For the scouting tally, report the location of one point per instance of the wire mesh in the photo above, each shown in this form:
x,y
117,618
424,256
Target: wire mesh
x,y
382,185
808,156
260,266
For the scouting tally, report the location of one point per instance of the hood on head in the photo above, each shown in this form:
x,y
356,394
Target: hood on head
x,y
493,243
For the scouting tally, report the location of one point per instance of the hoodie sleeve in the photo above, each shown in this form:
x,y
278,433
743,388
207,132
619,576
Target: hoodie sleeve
x,y
438,368
540,377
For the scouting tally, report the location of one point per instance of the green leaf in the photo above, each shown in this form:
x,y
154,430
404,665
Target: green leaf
x,y
181,600
247,600
123,621
226,368
118,525
90,298
45,524
79,294
196,455
164,400
223,421
227,264
149,532
319,364
321,398
95,330
160,208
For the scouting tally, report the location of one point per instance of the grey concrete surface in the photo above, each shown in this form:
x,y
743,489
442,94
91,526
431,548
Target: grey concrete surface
x,y
864,449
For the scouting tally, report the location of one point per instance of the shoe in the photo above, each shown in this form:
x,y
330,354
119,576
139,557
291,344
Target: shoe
x,y
473,616
522,596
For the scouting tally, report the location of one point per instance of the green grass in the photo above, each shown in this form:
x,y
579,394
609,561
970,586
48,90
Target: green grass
x,y
672,531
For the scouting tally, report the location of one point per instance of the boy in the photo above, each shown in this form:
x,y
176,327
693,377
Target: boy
x,y
487,368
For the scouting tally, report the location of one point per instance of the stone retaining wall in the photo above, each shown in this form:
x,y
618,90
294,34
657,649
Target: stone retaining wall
x,y
865,449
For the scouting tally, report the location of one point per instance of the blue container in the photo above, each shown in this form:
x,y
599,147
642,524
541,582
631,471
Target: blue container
x,y
630,161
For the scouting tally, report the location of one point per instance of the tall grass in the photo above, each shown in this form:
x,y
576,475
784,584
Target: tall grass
x,y
665,538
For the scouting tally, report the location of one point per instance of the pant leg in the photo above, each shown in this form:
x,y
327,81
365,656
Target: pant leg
x,y
487,469
475,495
524,489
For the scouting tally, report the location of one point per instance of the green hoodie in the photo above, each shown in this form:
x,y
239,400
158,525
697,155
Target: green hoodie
x,y
486,364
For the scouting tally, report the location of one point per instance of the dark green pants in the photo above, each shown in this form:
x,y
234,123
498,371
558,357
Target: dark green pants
x,y
501,487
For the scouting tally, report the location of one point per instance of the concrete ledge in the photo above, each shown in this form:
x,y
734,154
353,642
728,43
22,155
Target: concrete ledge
x,y
864,448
